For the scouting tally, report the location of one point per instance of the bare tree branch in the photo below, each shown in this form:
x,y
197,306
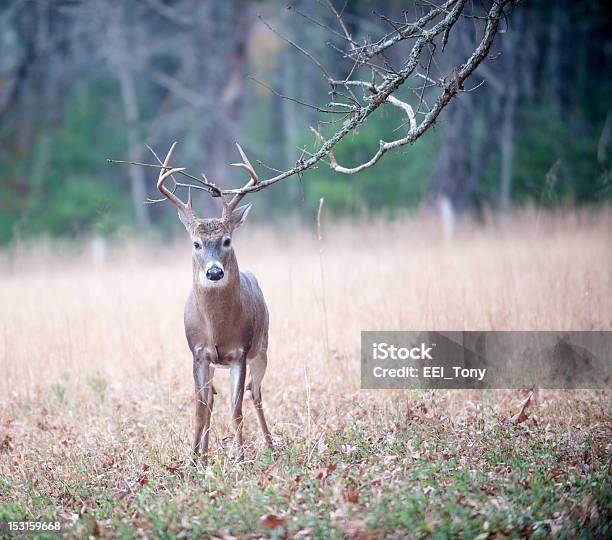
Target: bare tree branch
x,y
409,30
295,100
345,36
435,24
338,16
392,83
206,186
451,89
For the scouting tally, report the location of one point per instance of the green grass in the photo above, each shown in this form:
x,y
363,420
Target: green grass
x,y
416,471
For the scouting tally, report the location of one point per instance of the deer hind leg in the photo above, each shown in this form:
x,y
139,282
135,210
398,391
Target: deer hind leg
x,y
237,378
258,370
202,375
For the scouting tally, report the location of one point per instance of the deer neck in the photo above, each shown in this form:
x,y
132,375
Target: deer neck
x,y
218,303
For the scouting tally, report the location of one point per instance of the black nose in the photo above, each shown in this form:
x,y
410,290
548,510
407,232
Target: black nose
x,y
214,273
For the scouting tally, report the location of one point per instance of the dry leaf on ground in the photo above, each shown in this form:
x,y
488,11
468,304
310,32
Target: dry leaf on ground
x,y
522,415
271,521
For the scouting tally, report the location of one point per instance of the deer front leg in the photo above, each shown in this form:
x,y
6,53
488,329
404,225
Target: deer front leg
x,y
238,376
202,376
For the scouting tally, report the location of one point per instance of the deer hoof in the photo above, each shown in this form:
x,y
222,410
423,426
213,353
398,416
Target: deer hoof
x,y
196,459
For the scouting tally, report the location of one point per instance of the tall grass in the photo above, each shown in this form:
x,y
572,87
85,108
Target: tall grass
x,y
64,316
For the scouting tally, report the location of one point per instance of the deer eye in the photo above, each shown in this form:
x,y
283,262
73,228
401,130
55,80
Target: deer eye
x,y
197,245
227,242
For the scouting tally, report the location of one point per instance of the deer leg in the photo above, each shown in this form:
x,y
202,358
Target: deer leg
x,y
208,415
260,416
237,377
258,369
202,376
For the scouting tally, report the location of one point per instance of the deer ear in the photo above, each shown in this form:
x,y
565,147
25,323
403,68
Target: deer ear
x,y
239,215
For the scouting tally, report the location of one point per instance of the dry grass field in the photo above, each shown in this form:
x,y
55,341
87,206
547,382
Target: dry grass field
x,y
96,396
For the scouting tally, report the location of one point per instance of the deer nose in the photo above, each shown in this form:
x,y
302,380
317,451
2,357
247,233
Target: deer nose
x,y
214,273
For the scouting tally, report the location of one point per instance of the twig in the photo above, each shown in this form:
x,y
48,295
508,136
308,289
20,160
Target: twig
x,y
209,187
319,23
303,51
295,100
338,16
431,53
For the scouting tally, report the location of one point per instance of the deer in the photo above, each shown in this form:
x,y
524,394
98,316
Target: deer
x,y
226,318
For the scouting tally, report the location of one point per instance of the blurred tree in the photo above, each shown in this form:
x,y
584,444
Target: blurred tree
x,y
113,27
86,80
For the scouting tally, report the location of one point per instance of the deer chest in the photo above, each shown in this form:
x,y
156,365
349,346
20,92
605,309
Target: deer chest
x,y
219,357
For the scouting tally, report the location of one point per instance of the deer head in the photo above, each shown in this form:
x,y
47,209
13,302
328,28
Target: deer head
x,y
213,254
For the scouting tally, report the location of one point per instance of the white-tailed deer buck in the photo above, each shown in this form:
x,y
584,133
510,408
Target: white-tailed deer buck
x,y
226,319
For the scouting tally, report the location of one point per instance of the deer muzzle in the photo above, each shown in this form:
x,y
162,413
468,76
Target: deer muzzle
x,y
214,271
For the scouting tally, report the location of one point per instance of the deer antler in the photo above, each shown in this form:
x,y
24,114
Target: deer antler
x,y
185,209
228,207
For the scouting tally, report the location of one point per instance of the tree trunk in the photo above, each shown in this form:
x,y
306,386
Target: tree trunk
x,y
135,143
507,149
221,74
452,169
117,52
509,51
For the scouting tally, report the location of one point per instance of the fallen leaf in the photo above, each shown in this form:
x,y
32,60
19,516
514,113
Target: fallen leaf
x,y
6,443
263,481
489,489
271,521
43,425
522,415
125,495
352,495
83,509
323,472
176,467
121,493
98,529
